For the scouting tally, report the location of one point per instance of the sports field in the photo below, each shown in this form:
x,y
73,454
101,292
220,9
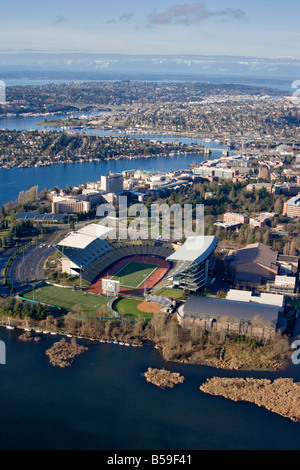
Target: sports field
x,y
135,307
66,298
134,274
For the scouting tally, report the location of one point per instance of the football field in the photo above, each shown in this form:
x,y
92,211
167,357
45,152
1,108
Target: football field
x,y
66,298
134,274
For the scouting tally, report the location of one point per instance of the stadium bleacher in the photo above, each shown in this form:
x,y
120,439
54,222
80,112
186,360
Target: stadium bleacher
x,y
123,250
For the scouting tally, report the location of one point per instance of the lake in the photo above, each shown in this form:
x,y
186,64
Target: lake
x,y
103,402
16,179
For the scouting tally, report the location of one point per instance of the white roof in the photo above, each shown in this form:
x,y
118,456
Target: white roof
x,y
264,298
86,235
240,295
195,249
285,281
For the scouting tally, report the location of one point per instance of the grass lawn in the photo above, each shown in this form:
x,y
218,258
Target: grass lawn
x,y
126,306
67,298
175,294
134,274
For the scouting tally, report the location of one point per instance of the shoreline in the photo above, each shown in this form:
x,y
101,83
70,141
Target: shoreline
x,y
142,341
98,160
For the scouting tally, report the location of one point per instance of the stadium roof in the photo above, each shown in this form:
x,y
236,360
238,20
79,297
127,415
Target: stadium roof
x,y
206,306
195,249
85,236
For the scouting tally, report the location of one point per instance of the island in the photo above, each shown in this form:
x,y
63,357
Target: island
x,y
163,378
280,396
62,352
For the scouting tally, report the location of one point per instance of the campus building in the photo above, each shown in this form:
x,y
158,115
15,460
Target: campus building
x,y
112,183
239,317
254,264
291,207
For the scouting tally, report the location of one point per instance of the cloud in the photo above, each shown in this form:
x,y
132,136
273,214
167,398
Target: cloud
x,y
191,13
125,17
60,19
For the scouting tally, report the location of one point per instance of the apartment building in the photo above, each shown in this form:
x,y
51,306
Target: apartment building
x,y
291,207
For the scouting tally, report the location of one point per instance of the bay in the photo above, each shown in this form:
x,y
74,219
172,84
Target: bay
x,y
14,180
102,402
17,179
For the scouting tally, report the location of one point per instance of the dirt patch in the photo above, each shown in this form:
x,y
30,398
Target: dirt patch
x,y
149,307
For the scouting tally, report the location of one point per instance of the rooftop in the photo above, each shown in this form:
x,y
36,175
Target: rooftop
x,y
294,201
256,253
195,249
213,308
83,237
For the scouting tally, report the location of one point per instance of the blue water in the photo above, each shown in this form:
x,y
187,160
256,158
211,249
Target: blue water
x,y
16,179
102,402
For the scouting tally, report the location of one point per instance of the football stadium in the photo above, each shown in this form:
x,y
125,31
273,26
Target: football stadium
x,y
134,269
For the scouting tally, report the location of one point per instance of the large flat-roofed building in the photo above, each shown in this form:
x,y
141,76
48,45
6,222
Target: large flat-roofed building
x,y
264,298
291,207
242,318
84,202
284,285
69,205
194,263
254,263
112,183
81,248
234,217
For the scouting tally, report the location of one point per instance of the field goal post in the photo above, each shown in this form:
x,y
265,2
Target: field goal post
x,y
110,288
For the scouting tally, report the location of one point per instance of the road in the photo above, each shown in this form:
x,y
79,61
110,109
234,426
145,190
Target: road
x,y
28,267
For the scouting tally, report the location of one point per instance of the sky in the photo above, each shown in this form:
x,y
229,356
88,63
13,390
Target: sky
x,y
251,28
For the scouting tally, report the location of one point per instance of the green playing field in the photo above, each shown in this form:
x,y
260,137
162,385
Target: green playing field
x,y
134,274
66,298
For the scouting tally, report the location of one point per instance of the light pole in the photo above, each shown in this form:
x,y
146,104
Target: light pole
x,y
145,289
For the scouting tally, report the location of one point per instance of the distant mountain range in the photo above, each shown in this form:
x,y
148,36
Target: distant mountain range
x,y
131,66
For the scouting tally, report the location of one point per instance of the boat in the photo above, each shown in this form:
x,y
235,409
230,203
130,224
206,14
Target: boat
x,y
121,343
127,344
102,341
53,333
69,336
45,332
9,326
109,341
38,331
115,342
27,327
